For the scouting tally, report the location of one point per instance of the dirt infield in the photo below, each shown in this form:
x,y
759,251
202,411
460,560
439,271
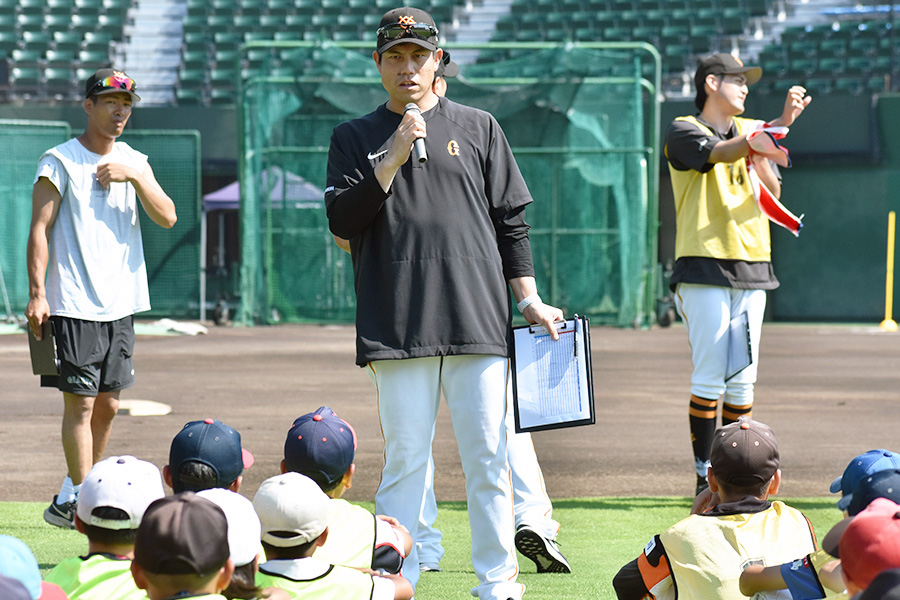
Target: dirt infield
x,y
830,392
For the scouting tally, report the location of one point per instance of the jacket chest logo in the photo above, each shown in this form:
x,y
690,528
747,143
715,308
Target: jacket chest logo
x,y
453,148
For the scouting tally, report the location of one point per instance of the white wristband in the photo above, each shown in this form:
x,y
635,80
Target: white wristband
x,y
528,301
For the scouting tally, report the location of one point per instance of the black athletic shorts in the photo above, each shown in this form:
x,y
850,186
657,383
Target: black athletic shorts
x,y
94,356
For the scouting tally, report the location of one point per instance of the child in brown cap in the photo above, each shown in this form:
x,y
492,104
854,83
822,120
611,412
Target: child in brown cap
x,y
182,549
703,555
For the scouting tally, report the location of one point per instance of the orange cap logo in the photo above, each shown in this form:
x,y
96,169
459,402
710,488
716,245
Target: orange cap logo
x,y
407,21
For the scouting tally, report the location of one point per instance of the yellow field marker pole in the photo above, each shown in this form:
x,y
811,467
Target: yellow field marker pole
x,y
889,324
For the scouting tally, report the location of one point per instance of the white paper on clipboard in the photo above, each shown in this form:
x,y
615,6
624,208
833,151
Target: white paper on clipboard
x,y
553,386
740,355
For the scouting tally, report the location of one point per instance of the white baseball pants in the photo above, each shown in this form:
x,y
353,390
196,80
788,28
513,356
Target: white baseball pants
x,y
474,386
707,311
532,505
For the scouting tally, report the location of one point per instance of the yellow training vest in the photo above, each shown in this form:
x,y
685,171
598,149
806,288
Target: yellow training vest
x,y
351,535
338,582
716,213
707,554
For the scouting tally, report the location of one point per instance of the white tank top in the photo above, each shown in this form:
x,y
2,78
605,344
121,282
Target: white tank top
x,y
96,267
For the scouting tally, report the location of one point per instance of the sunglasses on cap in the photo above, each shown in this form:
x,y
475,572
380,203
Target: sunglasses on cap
x,y
396,31
114,82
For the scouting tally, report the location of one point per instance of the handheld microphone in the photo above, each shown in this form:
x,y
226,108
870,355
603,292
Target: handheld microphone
x,y
419,144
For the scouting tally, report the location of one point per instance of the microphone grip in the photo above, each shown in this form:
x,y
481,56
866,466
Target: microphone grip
x,y
419,150
419,144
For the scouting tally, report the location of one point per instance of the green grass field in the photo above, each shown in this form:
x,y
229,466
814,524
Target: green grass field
x,y
598,536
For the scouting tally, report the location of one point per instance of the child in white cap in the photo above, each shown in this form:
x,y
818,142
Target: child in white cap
x,y
114,496
293,512
244,533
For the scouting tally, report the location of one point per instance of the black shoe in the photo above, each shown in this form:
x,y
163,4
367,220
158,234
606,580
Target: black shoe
x,y
543,551
60,515
702,484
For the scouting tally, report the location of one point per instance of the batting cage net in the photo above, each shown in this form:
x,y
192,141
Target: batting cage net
x,y
583,123
21,145
173,256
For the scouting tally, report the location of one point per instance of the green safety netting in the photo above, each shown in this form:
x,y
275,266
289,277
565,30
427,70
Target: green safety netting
x,y
173,256
578,129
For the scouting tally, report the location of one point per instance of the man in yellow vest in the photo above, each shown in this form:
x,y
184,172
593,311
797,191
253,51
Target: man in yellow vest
x,y
703,555
722,247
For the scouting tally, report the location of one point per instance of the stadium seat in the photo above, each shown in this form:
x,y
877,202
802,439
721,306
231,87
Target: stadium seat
x,y
219,96
25,81
31,7
66,41
25,58
227,40
244,23
195,23
96,41
186,96
876,84
818,85
834,65
93,58
194,79
226,59
83,23
859,64
59,58
88,8
852,85
60,82
270,23
223,78
32,22
220,22
8,41
223,7
862,46
833,47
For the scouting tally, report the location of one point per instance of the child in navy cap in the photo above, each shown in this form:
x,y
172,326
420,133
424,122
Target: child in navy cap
x,y
206,454
321,446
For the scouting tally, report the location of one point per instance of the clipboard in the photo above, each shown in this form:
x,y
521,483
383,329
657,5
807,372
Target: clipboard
x,y
553,385
43,351
740,353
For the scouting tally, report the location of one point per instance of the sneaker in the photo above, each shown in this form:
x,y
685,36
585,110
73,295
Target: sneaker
x,y
429,568
61,515
543,551
702,484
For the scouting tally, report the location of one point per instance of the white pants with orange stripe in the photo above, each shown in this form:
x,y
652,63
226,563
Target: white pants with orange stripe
x,y
707,311
531,503
475,388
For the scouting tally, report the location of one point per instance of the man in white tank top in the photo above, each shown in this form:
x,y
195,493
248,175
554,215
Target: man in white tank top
x,y
86,271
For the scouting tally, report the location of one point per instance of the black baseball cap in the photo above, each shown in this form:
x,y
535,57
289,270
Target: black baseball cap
x,y
724,64
721,64
744,453
407,25
110,81
181,535
447,68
